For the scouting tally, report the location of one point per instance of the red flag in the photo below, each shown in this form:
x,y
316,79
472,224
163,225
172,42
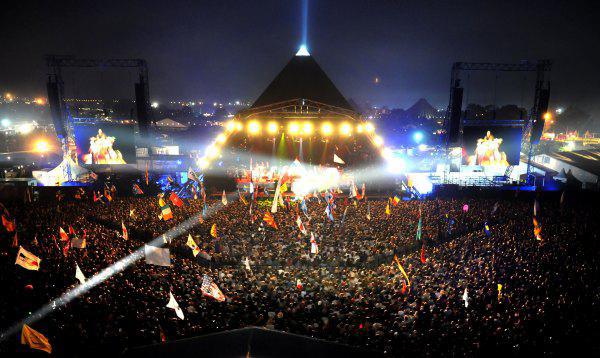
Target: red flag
x,y
268,218
71,231
15,242
63,235
175,199
66,249
125,233
403,287
8,224
423,254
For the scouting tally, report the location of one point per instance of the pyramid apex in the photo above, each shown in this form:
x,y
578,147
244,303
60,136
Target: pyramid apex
x,y
302,51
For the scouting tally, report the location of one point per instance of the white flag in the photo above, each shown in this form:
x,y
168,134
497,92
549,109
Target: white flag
x,y
157,256
465,298
174,305
79,275
247,264
224,198
337,159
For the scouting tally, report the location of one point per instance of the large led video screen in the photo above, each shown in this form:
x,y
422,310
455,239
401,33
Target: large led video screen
x,y
491,146
105,143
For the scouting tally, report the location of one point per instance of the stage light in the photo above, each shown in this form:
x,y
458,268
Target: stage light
x,y
253,127
154,105
360,128
238,126
25,128
326,129
221,138
378,141
212,152
41,146
293,128
272,127
418,137
346,129
422,147
307,128
230,126
547,116
40,101
203,163
5,122
395,165
386,153
369,127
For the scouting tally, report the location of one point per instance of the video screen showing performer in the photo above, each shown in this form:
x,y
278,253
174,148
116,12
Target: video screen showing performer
x,y
491,146
105,144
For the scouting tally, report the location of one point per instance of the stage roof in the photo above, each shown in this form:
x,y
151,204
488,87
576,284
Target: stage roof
x,y
302,78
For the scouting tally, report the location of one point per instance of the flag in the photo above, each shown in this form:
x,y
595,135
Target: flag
x,y
63,235
79,274
157,256
276,196
486,229
499,291
337,159
395,200
96,198
213,231
465,208
423,260
353,191
242,199
314,247
268,218
71,230
344,215
209,288
224,198
419,226
192,175
304,207
203,192
174,305
536,208
495,208
175,199
283,188
465,298
137,190
329,212
165,209
35,340
192,245
387,209
125,233
205,255
27,260
300,225
363,193
401,269
204,210
251,188
299,284
132,213
537,230
15,242
195,192
8,224
147,176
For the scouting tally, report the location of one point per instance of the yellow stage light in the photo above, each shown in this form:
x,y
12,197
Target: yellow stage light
x,y
326,129
547,116
221,138
272,127
378,141
307,128
238,126
346,129
369,127
360,128
203,163
253,127
212,152
230,126
293,128
41,146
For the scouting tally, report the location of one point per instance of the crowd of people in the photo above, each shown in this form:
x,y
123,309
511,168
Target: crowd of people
x,y
477,280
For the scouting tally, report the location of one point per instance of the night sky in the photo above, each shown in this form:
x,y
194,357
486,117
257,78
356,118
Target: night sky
x,y
231,49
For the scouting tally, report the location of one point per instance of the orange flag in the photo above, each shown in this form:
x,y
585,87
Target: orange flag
x,y
213,231
268,218
35,339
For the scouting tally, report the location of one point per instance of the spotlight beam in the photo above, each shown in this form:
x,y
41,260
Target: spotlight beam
x,y
110,271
